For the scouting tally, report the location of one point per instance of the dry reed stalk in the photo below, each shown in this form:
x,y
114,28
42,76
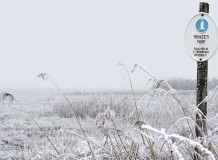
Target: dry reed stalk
x,y
137,112
46,76
5,95
46,136
174,95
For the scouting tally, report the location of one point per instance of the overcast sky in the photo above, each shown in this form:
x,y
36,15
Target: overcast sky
x,y
80,42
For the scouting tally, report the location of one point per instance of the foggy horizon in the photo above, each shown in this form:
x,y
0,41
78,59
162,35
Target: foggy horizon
x,y
80,43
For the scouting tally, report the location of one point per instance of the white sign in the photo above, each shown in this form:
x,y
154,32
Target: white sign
x,y
201,39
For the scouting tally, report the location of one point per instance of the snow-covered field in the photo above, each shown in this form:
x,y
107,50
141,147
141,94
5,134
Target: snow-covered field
x,y
41,125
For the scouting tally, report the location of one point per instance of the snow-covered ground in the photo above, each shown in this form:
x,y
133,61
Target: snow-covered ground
x,y
36,127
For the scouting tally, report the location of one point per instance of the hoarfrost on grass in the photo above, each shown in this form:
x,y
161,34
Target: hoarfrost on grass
x,y
21,138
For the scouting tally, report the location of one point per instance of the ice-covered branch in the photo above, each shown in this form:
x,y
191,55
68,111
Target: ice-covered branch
x,y
181,139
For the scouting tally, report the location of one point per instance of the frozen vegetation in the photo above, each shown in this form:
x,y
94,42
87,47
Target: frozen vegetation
x,y
158,123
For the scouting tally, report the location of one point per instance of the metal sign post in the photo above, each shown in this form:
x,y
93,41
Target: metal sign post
x,y
201,42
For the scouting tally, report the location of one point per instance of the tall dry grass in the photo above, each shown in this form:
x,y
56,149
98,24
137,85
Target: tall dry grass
x,y
159,124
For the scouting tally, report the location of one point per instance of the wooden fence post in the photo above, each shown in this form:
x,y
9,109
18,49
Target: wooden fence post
x,y
201,91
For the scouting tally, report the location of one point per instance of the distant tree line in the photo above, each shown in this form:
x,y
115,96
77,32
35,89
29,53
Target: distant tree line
x,y
188,84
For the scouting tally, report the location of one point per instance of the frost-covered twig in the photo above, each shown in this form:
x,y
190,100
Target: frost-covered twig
x,y
208,96
185,118
176,151
182,139
87,139
145,70
133,93
144,134
174,147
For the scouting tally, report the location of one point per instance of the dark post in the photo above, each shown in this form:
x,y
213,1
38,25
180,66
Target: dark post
x,y
202,74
